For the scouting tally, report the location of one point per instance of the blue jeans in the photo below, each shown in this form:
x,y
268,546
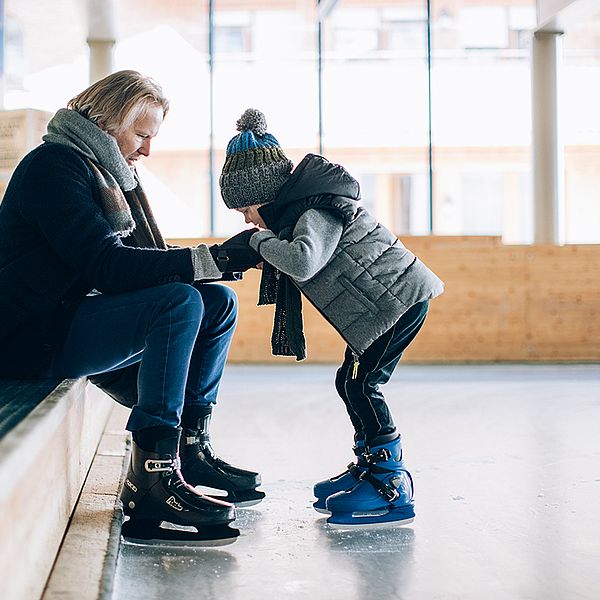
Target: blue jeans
x,y
178,333
364,401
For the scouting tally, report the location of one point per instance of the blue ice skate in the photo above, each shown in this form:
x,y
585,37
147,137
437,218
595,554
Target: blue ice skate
x,y
382,497
342,482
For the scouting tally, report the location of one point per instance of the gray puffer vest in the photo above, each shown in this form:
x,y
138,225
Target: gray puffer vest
x,y
369,283
372,279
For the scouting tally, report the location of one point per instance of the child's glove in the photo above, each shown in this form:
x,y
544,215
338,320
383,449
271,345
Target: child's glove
x,y
235,254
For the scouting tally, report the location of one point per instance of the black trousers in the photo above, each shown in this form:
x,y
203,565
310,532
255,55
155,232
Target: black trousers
x,y
364,401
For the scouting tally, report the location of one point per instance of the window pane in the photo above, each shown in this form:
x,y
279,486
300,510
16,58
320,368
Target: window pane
x,y
481,119
580,96
169,42
275,73
375,115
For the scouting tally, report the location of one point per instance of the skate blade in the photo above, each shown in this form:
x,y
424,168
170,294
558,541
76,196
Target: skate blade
x,y
375,519
362,525
244,503
241,499
323,511
139,534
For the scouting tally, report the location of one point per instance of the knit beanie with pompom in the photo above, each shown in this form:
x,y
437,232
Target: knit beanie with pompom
x,y
255,166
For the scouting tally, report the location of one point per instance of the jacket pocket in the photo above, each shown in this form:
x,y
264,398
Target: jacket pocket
x,y
358,295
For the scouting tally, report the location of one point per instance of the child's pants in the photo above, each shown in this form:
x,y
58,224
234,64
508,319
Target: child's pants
x,y
364,401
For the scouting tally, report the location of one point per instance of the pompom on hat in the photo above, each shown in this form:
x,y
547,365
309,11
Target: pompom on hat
x,y
255,166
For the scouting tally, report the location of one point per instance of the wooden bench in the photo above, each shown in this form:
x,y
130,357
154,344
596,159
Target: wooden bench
x,y
49,433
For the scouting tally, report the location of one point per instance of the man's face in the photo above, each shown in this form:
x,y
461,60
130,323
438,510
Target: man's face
x,y
251,215
134,141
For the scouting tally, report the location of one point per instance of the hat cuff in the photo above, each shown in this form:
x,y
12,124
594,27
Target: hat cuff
x,y
257,185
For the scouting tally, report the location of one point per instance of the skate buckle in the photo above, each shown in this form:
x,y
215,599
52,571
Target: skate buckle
x,y
390,493
380,456
154,466
191,440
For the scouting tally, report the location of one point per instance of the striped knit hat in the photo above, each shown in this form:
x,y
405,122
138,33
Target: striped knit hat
x,y
255,166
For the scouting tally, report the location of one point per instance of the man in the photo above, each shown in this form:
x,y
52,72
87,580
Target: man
x,y
89,287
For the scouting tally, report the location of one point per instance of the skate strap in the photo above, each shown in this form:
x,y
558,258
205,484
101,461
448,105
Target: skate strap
x,y
190,440
381,455
358,450
169,464
389,492
354,470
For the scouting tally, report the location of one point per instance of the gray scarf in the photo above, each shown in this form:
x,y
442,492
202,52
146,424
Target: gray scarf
x,y
111,171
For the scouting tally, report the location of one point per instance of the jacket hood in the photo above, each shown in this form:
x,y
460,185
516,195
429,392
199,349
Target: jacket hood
x,y
316,175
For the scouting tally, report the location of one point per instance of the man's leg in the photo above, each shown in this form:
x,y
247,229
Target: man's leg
x,y
200,465
212,344
157,326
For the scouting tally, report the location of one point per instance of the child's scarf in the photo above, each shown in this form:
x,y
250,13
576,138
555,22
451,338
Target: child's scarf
x,y
287,338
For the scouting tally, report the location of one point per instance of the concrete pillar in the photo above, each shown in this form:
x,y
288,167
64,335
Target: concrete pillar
x,y
548,153
101,37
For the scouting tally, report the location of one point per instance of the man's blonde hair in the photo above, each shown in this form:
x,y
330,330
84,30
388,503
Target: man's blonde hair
x,y
118,100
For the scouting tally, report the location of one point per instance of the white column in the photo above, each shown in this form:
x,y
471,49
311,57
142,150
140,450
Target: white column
x,y
101,37
548,152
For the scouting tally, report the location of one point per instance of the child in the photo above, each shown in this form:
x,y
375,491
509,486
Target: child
x,y
315,239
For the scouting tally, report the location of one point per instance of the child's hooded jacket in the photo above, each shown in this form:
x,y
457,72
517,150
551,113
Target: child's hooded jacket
x,y
357,273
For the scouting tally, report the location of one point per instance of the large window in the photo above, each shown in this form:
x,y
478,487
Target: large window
x,y
579,102
429,110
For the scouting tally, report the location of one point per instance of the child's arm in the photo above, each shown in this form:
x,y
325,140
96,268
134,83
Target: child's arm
x,y
316,236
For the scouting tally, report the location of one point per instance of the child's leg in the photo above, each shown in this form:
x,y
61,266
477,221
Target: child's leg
x,y
384,493
377,364
341,376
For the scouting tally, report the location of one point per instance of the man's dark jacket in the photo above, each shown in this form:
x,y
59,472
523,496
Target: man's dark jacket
x,y
55,247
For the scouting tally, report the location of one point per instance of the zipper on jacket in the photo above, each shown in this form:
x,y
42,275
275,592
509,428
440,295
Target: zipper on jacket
x,y
355,365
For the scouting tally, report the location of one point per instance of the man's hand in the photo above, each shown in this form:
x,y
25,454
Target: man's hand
x,y
235,254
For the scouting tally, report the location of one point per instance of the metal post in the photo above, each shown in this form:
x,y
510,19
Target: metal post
x,y
320,82
101,38
429,136
548,155
211,93
2,74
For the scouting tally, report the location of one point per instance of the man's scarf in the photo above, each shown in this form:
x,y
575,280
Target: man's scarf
x,y
122,198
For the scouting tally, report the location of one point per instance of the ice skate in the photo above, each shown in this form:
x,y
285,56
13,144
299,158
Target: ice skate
x,y
201,467
164,509
382,497
342,482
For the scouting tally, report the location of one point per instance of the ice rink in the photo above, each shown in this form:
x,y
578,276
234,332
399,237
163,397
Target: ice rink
x,y
506,461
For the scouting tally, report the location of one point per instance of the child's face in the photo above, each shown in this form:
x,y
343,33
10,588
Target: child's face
x,y
251,215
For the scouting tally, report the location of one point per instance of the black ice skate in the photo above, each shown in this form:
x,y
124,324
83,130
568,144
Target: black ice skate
x,y
200,466
155,492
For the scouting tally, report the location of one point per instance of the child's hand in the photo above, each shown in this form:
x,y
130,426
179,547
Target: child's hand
x,y
235,254
241,239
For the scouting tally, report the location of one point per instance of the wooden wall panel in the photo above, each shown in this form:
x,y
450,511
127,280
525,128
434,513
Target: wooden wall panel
x,y
501,303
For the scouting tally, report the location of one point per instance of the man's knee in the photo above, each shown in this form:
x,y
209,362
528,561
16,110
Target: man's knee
x,y
221,301
182,296
226,297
